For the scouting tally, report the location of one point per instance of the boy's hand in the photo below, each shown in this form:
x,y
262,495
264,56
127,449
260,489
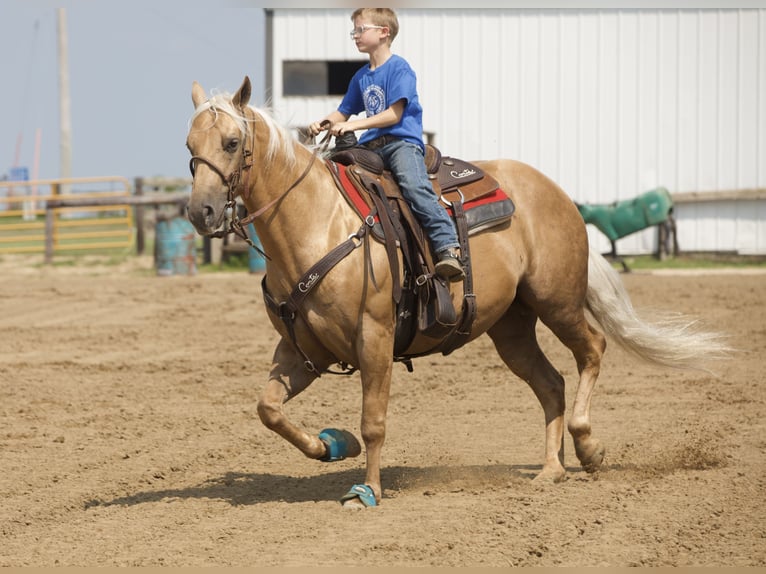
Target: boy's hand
x,y
318,127
340,128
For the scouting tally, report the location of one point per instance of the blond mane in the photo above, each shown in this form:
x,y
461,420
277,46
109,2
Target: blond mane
x,y
281,141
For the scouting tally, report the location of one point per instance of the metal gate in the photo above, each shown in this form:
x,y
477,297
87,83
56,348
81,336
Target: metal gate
x,y
96,227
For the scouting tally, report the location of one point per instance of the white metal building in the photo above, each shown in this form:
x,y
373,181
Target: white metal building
x,y
609,103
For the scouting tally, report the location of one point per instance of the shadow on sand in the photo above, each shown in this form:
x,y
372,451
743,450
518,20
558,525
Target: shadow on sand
x,y
258,488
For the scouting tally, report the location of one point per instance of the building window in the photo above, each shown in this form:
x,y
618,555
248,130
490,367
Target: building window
x,y
318,78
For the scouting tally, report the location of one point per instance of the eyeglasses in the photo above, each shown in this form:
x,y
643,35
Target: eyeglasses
x,y
359,30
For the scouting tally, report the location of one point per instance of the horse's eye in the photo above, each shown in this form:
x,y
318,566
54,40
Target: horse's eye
x,y
231,145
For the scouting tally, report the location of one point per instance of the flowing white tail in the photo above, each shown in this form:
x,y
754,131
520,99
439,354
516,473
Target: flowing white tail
x,y
672,341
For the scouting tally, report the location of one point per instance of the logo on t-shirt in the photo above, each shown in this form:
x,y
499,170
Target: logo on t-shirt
x,y
374,100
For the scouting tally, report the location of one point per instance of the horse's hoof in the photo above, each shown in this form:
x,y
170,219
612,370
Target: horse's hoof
x,y
550,476
592,462
360,496
353,504
339,444
590,452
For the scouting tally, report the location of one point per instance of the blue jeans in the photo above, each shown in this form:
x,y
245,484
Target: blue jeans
x,y
406,162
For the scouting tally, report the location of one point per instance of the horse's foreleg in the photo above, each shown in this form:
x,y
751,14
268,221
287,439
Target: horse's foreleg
x,y
376,365
287,379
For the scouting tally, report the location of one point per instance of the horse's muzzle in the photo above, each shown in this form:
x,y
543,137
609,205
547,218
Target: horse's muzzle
x,y
204,216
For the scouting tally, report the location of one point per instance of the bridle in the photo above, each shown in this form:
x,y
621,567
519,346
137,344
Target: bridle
x,y
232,182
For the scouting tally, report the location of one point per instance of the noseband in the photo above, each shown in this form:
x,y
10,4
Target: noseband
x,y
232,179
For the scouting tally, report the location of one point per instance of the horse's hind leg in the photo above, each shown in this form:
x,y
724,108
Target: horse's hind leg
x,y
588,353
587,346
516,342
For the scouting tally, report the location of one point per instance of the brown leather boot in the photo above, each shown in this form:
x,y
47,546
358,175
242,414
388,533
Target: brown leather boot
x,y
448,266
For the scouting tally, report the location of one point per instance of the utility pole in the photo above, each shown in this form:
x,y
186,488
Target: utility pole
x,y
65,120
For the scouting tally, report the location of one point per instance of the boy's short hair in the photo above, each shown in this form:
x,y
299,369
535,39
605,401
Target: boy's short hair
x,y
380,17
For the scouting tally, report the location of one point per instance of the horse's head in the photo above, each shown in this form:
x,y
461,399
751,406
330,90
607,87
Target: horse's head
x,y
219,144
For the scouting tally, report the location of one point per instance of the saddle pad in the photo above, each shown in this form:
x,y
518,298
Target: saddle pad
x,y
487,211
482,211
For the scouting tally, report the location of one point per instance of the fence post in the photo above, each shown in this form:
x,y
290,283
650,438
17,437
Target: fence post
x,y
48,234
50,223
139,186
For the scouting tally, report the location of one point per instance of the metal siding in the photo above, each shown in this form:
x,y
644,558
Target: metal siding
x,y
728,99
748,76
607,97
760,72
707,118
668,82
752,236
550,88
607,102
567,69
584,118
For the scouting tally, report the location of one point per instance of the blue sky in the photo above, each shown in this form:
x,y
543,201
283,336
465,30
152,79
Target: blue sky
x,y
131,67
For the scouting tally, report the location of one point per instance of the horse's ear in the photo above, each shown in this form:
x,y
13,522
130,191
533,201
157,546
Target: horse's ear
x,y
242,97
198,95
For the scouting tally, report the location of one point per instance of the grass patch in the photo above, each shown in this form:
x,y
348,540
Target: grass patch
x,y
694,261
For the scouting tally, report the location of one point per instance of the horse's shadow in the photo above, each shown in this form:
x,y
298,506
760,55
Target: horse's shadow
x,y
239,488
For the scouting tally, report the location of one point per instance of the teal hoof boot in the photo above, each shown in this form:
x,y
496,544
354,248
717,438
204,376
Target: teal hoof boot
x,y
339,444
363,492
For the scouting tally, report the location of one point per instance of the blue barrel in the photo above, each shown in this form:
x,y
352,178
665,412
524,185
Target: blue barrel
x,y
175,249
255,260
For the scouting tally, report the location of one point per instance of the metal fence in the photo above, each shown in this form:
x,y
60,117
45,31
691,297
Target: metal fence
x,y
23,207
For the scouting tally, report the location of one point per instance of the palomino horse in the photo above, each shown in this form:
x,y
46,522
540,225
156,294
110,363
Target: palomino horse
x,y
537,267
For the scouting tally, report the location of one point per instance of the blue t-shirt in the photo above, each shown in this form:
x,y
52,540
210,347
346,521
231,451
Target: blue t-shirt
x,y
373,91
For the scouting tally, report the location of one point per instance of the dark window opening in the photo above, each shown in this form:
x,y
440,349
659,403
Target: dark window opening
x,y
318,78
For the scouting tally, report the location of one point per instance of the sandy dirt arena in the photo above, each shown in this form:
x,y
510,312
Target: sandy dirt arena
x,y
129,437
